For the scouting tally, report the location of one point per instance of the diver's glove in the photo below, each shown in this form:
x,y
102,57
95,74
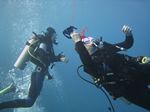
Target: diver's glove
x,y
48,75
63,58
127,30
71,34
67,32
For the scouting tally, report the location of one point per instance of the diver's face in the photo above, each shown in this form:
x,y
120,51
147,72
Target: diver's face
x,y
54,37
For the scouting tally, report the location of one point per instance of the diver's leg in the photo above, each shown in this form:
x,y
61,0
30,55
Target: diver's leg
x,y
145,72
142,70
35,88
139,96
18,103
36,84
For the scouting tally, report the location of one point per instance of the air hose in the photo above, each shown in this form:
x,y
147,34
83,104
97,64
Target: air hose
x,y
99,87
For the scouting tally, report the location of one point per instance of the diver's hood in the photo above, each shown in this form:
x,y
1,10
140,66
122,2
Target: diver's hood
x,y
51,37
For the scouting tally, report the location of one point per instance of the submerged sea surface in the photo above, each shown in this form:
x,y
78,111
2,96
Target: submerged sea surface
x,y
67,92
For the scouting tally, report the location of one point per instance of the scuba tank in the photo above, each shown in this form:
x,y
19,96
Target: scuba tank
x,y
25,54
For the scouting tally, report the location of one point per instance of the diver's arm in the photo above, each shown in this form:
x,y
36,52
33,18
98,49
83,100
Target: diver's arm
x,y
80,48
47,56
84,55
56,58
128,42
42,54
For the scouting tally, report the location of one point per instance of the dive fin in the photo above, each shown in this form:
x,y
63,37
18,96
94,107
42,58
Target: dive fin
x,y
8,89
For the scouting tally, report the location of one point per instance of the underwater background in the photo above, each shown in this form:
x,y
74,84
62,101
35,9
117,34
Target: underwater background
x,y
67,92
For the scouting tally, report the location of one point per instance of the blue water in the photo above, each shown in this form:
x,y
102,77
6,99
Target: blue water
x,y
67,93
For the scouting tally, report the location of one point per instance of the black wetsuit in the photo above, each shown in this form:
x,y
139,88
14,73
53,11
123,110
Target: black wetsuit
x,y
130,77
37,78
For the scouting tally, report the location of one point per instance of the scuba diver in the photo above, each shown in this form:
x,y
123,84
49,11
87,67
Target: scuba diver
x,y
39,50
119,74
